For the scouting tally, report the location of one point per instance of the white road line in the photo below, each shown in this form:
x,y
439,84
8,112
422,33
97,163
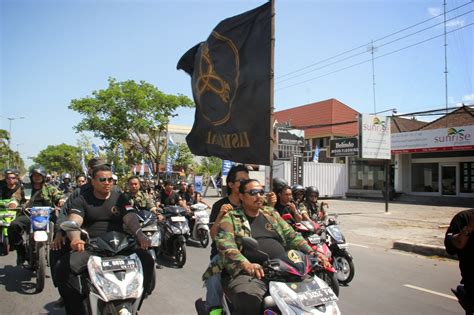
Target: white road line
x,y
430,291
357,245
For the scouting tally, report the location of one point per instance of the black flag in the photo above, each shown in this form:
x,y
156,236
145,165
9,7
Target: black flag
x,y
230,78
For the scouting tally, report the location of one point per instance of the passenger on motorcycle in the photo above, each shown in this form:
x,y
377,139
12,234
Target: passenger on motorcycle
x,y
66,185
42,195
315,209
192,196
286,205
298,192
99,210
80,180
11,188
241,278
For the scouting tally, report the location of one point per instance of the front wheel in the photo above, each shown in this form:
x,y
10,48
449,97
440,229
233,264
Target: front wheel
x,y
180,254
203,237
5,249
40,267
344,268
331,279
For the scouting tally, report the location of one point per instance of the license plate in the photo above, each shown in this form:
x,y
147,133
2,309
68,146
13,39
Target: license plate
x,y
118,264
178,219
317,297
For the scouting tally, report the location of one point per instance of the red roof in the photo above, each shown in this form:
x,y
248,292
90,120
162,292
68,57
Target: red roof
x,y
313,117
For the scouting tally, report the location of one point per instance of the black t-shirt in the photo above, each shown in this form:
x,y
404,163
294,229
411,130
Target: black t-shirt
x,y
100,216
465,255
7,193
216,207
268,240
282,209
169,200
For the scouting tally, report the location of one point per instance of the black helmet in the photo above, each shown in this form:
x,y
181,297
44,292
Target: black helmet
x,y
66,175
37,169
278,184
311,190
297,188
10,171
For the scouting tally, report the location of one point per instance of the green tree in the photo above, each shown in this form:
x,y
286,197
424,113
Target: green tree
x,y
210,166
185,157
135,114
8,157
61,158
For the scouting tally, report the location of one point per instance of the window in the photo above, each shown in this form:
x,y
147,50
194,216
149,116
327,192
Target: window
x,y
467,177
366,175
425,177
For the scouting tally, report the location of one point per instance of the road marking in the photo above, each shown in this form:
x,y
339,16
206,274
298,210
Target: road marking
x,y
430,291
357,245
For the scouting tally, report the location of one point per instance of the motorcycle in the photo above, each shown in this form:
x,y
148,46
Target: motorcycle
x,y
467,305
113,283
292,286
200,225
151,229
6,217
176,232
37,242
342,259
310,230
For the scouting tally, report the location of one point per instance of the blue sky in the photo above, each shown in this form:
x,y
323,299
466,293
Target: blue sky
x,y
56,51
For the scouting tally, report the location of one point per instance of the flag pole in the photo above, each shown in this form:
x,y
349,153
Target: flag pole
x,y
272,82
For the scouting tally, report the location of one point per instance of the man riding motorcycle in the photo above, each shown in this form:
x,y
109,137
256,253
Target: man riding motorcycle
x,y
241,278
42,195
11,188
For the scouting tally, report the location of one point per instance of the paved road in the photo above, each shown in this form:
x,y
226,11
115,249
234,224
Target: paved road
x,y
386,282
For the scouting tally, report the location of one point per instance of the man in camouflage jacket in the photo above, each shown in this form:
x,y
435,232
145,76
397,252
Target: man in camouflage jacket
x,y
137,198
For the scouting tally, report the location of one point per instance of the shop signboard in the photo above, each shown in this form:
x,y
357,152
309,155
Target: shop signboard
x,y
344,147
375,142
443,139
297,169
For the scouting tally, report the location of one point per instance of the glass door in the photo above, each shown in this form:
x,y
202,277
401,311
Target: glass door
x,y
448,180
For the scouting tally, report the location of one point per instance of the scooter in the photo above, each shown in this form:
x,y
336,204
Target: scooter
x,y
292,286
311,231
37,242
176,232
200,225
6,217
113,283
342,259
152,230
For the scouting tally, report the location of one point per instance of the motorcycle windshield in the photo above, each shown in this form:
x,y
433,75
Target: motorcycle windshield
x,y
335,233
112,243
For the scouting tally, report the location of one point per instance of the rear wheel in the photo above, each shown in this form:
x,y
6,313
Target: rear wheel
x,y
344,268
204,237
180,254
40,267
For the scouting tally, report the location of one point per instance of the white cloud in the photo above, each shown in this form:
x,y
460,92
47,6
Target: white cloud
x,y
436,11
468,98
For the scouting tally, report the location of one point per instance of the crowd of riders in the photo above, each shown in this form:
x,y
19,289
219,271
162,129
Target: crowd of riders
x,y
74,196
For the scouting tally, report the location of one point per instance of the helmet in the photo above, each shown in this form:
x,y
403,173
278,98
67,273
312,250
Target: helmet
x,y
66,175
297,188
311,190
278,184
37,169
10,171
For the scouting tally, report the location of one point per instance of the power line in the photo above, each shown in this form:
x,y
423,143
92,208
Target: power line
x,y
365,45
369,60
371,43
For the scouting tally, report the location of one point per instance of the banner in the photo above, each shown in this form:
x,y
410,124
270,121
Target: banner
x,y
374,133
226,166
316,154
142,168
198,184
95,150
230,79
83,164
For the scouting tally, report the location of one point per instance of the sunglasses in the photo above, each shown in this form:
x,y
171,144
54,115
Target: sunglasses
x,y
255,192
11,178
105,179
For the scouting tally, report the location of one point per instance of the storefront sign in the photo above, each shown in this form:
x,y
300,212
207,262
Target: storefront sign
x,y
375,136
444,139
297,169
344,147
292,137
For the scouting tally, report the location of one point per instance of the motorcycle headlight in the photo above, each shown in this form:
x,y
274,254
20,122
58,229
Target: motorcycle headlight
x,y
40,223
175,229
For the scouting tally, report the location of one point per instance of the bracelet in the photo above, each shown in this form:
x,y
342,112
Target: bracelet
x,y
139,230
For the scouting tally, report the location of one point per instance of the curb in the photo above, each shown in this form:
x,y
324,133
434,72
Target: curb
x,y
422,249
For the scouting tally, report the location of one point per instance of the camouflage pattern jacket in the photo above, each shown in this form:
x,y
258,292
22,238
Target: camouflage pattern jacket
x,y
234,226
140,201
49,196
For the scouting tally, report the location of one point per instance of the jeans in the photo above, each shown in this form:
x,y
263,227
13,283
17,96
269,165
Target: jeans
x,y
214,289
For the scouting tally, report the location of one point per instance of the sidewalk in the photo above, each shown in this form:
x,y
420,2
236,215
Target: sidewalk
x,y
407,226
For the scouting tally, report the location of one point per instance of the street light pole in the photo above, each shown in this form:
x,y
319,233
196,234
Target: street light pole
x,y
10,135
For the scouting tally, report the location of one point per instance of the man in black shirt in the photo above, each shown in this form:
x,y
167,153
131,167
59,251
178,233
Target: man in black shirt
x,y
99,210
168,197
459,240
285,205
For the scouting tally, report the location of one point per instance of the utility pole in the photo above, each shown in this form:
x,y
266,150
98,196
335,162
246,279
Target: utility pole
x,y
445,60
372,50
